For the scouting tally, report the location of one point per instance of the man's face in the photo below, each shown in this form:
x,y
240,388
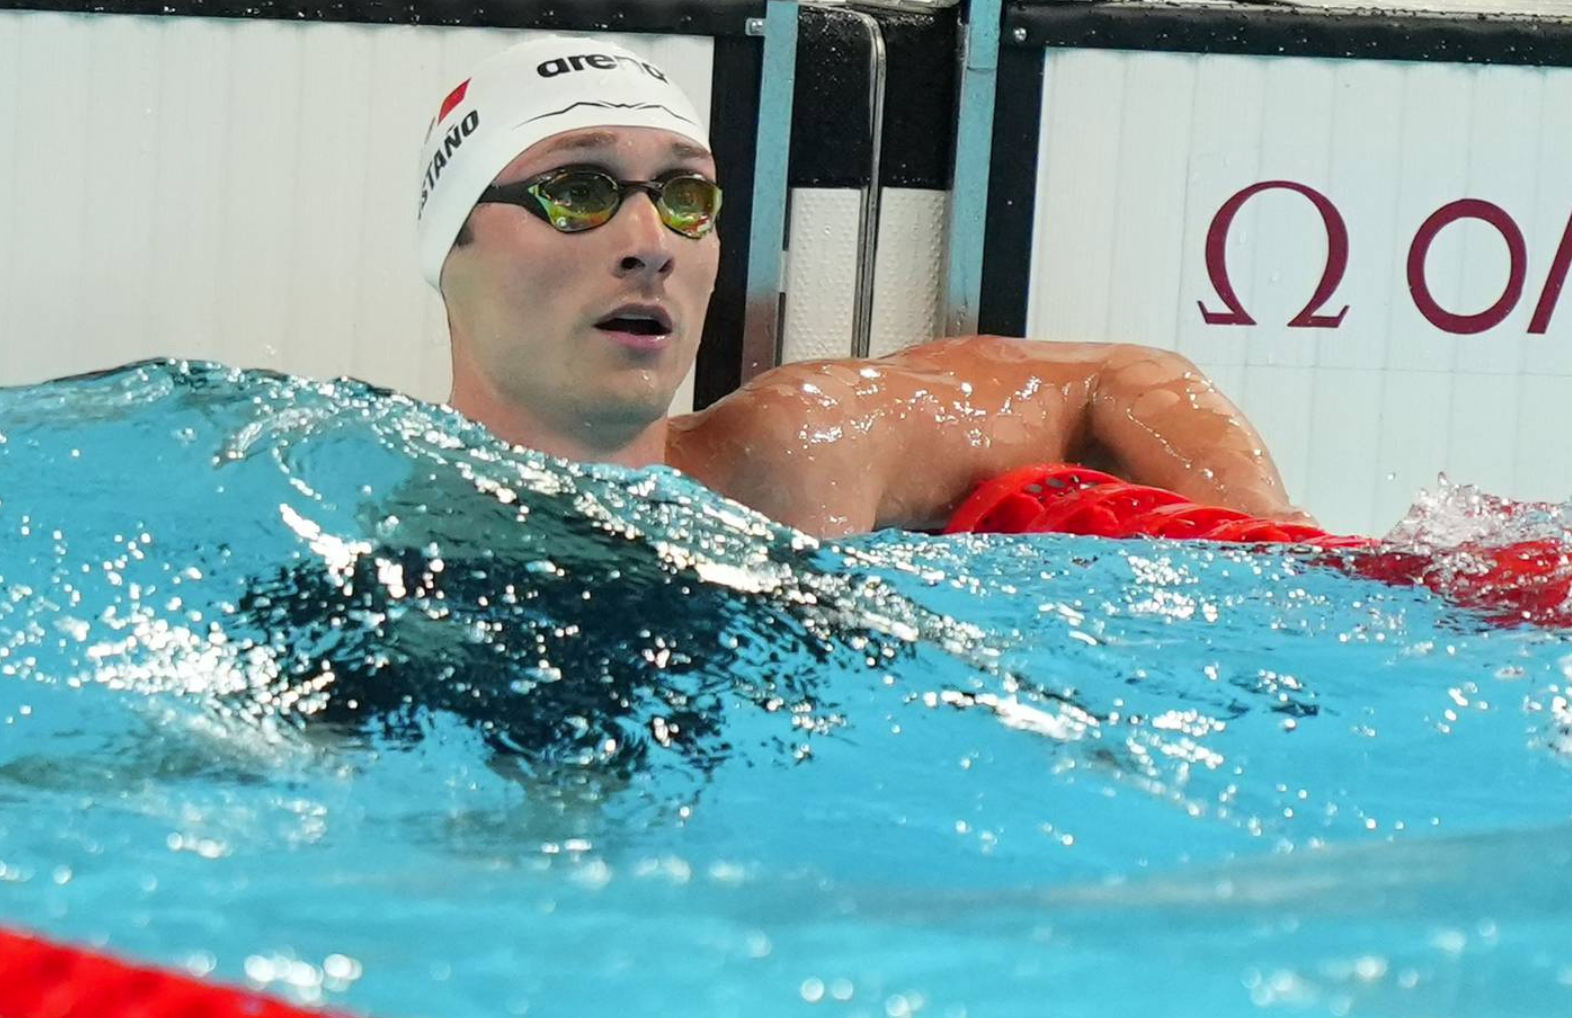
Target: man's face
x,y
536,313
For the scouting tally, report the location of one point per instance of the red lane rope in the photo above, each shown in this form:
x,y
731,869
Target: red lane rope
x,y
40,979
1526,581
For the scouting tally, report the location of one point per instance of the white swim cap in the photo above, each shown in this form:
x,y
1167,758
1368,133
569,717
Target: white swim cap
x,y
521,96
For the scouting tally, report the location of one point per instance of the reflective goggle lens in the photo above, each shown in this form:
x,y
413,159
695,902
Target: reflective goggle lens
x,y
689,205
578,200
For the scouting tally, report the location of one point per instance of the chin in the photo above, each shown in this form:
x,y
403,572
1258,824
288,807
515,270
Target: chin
x,y
645,387
637,408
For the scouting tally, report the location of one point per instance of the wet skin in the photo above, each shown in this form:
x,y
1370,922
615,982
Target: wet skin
x,y
837,447
830,447
524,301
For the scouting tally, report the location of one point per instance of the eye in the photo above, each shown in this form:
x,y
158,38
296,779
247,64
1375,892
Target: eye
x,y
580,189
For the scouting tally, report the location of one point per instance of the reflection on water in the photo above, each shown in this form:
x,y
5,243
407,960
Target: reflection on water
x,y
298,675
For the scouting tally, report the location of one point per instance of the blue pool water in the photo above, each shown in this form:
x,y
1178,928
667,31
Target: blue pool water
x,y
319,689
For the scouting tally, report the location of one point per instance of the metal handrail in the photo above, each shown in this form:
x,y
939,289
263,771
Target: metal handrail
x,y
761,341
872,191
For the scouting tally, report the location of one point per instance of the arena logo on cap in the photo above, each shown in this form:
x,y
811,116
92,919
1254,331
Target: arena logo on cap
x,y
598,62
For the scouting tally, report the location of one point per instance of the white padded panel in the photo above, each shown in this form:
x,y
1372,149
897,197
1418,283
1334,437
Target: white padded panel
x,y
238,190
909,270
1139,151
821,271
821,274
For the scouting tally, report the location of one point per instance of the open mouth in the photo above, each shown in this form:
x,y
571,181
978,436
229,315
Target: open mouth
x,y
641,322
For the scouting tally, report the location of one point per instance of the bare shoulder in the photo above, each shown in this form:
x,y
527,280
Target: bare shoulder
x,y
761,417
781,444
843,445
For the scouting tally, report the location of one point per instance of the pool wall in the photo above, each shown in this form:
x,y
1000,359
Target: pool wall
x,y
239,187
1407,167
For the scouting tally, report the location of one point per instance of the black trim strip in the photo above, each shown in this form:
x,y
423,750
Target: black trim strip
x,y
920,109
1290,31
829,108
717,18
829,136
734,110
1012,190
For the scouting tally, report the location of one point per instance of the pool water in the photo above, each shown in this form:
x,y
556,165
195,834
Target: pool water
x,y
315,688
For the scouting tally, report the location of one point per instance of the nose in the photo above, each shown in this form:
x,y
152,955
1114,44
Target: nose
x,y
645,249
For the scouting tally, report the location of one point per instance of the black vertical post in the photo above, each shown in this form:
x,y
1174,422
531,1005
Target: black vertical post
x,y
734,106
1012,191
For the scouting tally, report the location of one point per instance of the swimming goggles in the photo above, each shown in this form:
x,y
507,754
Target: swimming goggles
x,y
576,199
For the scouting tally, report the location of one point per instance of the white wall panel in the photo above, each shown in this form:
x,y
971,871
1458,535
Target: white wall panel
x,y
821,271
1550,207
239,190
1368,112
1078,112
1139,152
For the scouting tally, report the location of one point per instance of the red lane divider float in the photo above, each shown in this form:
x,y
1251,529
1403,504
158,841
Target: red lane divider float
x,y
39,979
1526,581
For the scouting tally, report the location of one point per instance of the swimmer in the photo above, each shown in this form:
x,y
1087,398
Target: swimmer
x,y
568,216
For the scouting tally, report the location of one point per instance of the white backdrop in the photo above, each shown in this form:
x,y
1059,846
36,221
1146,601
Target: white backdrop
x,y
1140,151
233,189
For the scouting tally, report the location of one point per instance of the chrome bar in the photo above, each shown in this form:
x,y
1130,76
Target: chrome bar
x,y
761,340
872,192
973,152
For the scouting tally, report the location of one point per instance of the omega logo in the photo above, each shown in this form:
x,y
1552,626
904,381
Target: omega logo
x,y
1312,316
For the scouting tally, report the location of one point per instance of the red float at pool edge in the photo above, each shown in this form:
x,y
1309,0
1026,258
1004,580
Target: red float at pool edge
x,y
1527,581
39,979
